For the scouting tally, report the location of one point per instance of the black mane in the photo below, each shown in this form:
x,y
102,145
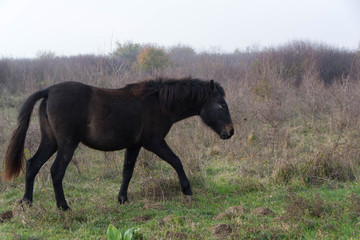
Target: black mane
x,y
171,91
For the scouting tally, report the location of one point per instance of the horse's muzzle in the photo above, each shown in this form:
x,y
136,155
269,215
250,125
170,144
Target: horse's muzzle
x,y
228,132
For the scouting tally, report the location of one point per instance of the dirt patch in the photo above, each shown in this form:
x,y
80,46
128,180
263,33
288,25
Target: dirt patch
x,y
237,209
221,231
142,218
176,235
166,219
232,212
280,218
6,216
171,219
262,211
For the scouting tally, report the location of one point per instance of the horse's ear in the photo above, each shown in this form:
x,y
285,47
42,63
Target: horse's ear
x,y
212,85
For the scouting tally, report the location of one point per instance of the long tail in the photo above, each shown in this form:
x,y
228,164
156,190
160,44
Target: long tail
x,y
15,153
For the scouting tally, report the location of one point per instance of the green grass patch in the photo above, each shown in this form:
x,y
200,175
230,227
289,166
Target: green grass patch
x,y
300,212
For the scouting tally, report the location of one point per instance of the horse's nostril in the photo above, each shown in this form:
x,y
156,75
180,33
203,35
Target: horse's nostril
x,y
231,132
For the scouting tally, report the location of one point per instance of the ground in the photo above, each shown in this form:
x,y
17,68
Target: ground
x,y
295,211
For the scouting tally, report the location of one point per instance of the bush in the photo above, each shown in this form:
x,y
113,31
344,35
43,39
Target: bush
x,y
181,53
334,64
127,51
151,58
297,57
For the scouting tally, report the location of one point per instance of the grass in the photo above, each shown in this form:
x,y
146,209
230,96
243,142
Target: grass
x,y
330,211
249,177
291,171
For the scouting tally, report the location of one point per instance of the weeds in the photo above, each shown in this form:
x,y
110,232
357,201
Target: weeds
x,y
300,208
113,233
354,205
292,129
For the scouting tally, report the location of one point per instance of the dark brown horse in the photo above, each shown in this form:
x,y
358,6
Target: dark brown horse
x,y
138,115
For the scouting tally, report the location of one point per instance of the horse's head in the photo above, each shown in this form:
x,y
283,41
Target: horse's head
x,y
215,112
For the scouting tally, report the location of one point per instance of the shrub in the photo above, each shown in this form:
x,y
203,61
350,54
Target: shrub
x,y
4,72
299,207
127,51
334,64
151,58
329,164
45,55
181,53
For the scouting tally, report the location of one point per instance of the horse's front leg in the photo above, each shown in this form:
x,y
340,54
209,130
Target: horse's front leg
x,y
162,150
128,169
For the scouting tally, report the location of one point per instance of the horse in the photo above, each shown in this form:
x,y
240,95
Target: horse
x,y
136,116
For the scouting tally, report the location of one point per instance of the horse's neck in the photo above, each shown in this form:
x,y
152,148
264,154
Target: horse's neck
x,y
184,110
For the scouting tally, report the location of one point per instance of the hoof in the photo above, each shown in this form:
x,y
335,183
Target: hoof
x,y
187,191
123,200
24,202
64,208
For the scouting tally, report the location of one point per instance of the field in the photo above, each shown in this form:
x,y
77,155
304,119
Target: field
x,y
291,171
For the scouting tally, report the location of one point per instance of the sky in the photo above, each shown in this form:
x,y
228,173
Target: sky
x,y
72,27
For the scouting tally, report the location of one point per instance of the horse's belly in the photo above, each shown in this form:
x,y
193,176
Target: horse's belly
x,y
108,139
105,144
112,131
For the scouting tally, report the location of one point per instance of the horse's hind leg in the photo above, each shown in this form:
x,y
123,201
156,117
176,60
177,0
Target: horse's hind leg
x,y
62,160
46,149
33,165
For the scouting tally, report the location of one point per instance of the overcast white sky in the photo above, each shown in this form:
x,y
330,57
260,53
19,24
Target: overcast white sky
x,y
71,27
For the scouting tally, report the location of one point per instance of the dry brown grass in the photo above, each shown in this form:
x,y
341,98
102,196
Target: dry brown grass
x,y
283,131
287,132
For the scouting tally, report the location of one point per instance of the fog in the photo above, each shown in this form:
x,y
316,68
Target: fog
x,y
78,27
